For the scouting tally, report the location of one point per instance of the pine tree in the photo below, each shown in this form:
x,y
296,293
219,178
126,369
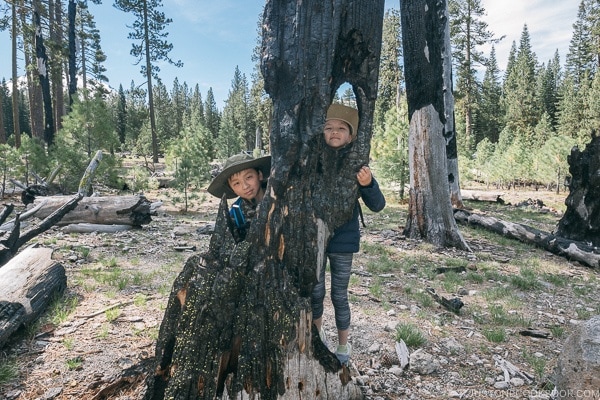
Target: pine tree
x,y
523,110
236,110
468,32
151,46
121,115
390,72
390,147
579,59
490,118
212,117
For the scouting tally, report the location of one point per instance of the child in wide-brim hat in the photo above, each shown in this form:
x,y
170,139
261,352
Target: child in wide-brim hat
x,y
243,176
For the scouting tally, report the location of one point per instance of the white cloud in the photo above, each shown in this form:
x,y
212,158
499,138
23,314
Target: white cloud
x,y
549,22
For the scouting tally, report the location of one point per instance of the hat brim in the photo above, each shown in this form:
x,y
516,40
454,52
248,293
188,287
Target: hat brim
x,y
219,186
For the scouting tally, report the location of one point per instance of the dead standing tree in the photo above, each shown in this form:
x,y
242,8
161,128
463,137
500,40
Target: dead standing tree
x,y
238,321
426,49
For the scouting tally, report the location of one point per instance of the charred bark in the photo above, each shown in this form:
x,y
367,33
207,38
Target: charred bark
x,y
424,33
44,77
238,322
581,221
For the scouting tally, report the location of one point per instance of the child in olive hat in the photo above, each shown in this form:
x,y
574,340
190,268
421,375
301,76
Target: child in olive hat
x,y
340,130
244,176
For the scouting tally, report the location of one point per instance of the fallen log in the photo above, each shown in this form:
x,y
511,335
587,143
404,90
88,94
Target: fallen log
x,y
477,195
108,210
570,249
15,240
28,283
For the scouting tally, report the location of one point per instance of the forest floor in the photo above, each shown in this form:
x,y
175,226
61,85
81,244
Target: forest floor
x,y
119,284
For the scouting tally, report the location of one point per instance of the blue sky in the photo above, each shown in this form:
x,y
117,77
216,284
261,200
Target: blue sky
x,y
211,38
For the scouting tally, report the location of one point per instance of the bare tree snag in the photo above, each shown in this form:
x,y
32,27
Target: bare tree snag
x,y
570,249
28,283
581,221
238,323
424,26
107,210
85,185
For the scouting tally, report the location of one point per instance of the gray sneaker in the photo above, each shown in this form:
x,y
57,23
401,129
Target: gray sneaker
x,y
344,354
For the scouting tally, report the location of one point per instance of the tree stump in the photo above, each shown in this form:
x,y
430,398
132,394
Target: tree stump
x,y
238,323
426,47
581,221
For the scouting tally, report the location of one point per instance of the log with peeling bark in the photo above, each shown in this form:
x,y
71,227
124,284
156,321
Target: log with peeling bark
x,y
573,250
28,283
107,210
477,195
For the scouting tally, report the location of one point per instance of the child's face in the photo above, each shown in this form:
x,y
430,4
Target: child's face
x,y
337,133
247,184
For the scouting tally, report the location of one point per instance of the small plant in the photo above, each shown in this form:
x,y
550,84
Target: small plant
x,y
68,343
112,314
61,309
8,370
410,334
583,314
495,335
537,363
526,280
140,300
375,289
557,331
74,363
84,251
103,333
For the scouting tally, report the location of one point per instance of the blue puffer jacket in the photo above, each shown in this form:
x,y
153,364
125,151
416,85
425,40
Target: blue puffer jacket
x,y
346,238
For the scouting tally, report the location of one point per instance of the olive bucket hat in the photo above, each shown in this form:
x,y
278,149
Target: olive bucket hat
x,y
344,113
234,164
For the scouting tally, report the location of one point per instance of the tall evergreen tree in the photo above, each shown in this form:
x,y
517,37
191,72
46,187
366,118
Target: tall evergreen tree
x,y
212,117
92,56
391,77
468,32
580,59
236,110
121,115
523,110
150,46
490,118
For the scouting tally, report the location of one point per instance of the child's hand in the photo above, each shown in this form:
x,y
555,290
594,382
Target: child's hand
x,y
364,176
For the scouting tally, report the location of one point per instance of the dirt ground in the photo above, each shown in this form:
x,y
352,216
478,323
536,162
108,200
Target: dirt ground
x,y
119,283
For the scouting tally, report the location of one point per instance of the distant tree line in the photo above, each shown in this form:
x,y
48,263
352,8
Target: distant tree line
x,y
513,127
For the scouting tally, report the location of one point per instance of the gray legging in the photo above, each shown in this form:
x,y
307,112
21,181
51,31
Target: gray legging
x,y
340,265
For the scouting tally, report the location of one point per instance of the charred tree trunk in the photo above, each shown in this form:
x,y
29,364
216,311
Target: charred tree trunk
x,y
15,76
43,74
424,26
238,322
72,13
581,221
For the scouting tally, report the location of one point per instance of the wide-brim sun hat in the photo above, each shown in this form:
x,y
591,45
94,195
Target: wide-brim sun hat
x,y
234,164
344,113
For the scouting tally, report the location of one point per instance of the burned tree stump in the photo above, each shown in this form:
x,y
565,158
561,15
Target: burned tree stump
x,y
581,221
426,45
238,323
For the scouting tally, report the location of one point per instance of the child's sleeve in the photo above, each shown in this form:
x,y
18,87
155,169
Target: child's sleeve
x,y
372,196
